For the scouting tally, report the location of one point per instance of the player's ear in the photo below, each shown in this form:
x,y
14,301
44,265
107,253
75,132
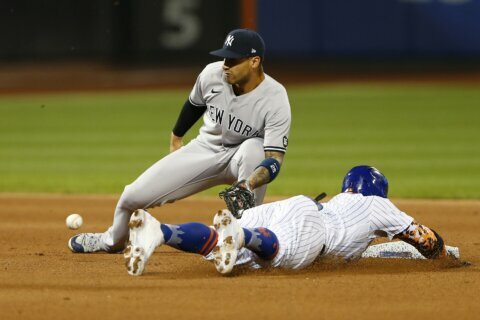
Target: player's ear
x,y
255,62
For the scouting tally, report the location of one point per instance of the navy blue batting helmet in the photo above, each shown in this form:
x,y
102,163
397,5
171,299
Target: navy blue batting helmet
x,y
367,181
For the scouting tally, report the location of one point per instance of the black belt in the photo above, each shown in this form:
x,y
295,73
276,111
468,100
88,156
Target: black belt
x,y
322,251
318,199
320,207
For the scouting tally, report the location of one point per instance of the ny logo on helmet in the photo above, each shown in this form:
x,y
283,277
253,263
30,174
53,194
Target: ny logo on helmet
x,y
229,40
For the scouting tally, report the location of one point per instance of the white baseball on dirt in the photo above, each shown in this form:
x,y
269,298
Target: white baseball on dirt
x,y
74,221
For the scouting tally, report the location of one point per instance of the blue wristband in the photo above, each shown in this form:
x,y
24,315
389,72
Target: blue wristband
x,y
273,167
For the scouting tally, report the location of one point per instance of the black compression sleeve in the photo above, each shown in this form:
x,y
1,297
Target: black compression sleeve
x,y
187,118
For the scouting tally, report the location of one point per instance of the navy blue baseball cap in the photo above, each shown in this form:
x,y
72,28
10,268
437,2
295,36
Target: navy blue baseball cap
x,y
241,43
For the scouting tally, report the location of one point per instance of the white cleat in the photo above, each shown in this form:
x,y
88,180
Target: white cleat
x,y
145,236
86,243
230,240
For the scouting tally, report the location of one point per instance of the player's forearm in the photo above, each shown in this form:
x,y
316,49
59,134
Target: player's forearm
x,y
258,178
267,170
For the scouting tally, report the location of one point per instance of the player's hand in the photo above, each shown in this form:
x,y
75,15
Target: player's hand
x,y
244,184
175,142
238,198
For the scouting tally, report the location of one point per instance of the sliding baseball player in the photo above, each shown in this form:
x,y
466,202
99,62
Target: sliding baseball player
x,y
291,233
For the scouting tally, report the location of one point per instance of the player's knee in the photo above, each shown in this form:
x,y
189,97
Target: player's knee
x,y
130,200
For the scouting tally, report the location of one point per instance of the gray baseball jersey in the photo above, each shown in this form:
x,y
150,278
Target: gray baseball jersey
x,y
342,227
228,148
230,119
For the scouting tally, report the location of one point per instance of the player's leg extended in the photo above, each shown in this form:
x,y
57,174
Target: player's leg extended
x,y
190,237
147,233
247,158
189,170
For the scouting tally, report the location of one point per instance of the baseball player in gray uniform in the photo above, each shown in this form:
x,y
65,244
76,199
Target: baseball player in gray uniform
x,y
244,137
291,233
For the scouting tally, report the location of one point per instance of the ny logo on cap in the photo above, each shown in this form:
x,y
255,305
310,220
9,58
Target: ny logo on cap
x,y
229,40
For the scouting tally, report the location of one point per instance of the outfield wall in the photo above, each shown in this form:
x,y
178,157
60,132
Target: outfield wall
x,y
371,28
169,31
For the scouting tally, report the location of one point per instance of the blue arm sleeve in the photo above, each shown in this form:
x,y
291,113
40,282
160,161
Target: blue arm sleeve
x,y
273,167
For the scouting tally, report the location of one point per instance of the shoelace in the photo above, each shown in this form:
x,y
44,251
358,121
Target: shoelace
x,y
90,240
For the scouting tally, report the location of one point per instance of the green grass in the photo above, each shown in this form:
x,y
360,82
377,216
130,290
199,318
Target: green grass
x,y
425,138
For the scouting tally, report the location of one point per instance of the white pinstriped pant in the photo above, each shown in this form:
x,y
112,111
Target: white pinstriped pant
x,y
299,227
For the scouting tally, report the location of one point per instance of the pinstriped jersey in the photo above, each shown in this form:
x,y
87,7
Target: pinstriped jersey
x,y
229,119
352,221
342,227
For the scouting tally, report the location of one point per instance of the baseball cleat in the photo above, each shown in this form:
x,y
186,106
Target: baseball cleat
x,y
85,243
230,240
145,236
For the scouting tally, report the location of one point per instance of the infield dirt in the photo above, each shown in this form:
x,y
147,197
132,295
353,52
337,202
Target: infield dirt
x,y
42,279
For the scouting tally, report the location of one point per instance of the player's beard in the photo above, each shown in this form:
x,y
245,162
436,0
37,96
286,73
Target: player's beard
x,y
235,79
229,78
